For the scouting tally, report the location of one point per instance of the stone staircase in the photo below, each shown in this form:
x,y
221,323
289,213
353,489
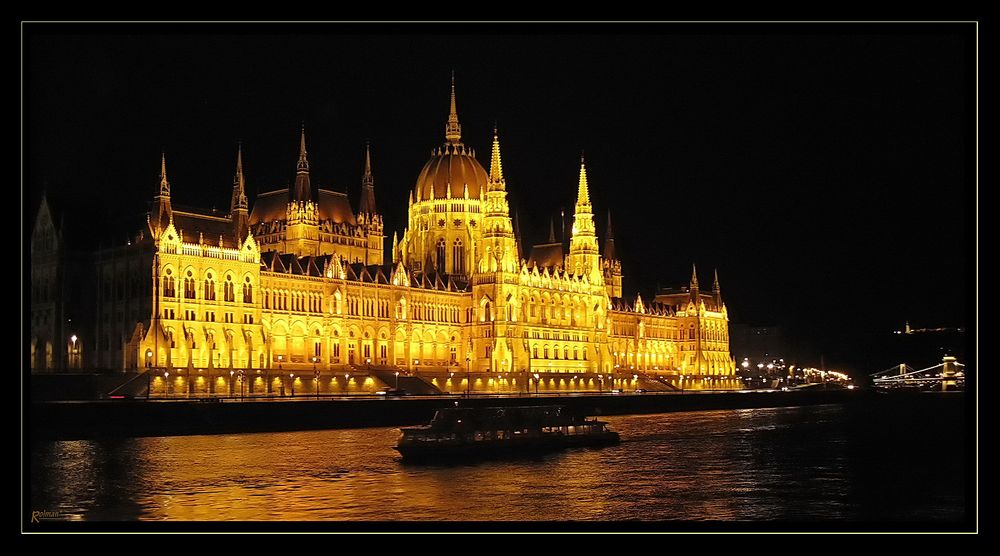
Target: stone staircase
x,y
411,384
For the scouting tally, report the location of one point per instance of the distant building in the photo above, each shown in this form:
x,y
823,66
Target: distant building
x,y
60,295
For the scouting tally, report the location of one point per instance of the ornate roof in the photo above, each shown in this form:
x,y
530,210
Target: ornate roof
x,y
191,224
333,205
451,166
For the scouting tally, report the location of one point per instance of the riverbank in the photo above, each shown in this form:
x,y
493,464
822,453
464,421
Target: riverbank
x,y
127,418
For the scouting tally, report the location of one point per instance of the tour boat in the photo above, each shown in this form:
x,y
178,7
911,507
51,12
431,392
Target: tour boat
x,y
500,431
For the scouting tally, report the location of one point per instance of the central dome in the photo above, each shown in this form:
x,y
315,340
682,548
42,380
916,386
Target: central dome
x,y
454,167
451,167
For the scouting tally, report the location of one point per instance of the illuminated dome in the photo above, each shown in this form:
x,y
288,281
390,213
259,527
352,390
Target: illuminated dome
x,y
454,166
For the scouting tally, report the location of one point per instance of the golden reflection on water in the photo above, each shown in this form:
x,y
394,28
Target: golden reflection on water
x,y
764,464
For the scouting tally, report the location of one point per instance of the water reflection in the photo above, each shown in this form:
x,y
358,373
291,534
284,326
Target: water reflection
x,y
816,463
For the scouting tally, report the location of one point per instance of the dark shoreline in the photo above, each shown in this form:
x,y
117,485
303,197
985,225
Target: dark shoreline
x,y
127,418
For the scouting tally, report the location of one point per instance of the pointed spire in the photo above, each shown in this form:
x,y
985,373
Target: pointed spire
x,y
496,168
303,188
239,199
367,185
694,277
303,165
164,214
164,184
395,248
716,292
552,230
453,129
583,195
367,177
609,242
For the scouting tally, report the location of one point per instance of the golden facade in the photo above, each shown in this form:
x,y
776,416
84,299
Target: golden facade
x,y
299,294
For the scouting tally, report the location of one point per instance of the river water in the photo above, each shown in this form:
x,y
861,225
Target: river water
x,y
832,463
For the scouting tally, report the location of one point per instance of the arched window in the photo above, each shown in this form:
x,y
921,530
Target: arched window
x,y
534,351
546,351
189,286
168,285
209,288
440,255
458,257
228,291
248,291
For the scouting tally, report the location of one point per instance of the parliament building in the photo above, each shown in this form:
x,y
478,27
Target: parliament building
x,y
299,292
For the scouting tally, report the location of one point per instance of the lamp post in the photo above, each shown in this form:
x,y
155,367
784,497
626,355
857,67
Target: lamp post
x,y
316,376
291,380
73,357
166,380
468,375
536,383
280,359
231,383
149,373
397,380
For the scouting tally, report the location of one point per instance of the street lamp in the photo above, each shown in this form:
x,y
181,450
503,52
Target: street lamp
x,y
536,384
316,375
230,383
468,375
268,377
397,380
166,380
73,362
149,373
291,377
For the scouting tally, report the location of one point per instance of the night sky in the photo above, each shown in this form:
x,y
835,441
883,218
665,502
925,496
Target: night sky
x,y
826,171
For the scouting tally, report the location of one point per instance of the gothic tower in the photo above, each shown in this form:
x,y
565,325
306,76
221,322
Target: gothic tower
x,y
495,296
368,217
584,257
302,228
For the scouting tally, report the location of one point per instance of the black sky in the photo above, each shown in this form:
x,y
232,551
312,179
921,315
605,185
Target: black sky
x,y
825,170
